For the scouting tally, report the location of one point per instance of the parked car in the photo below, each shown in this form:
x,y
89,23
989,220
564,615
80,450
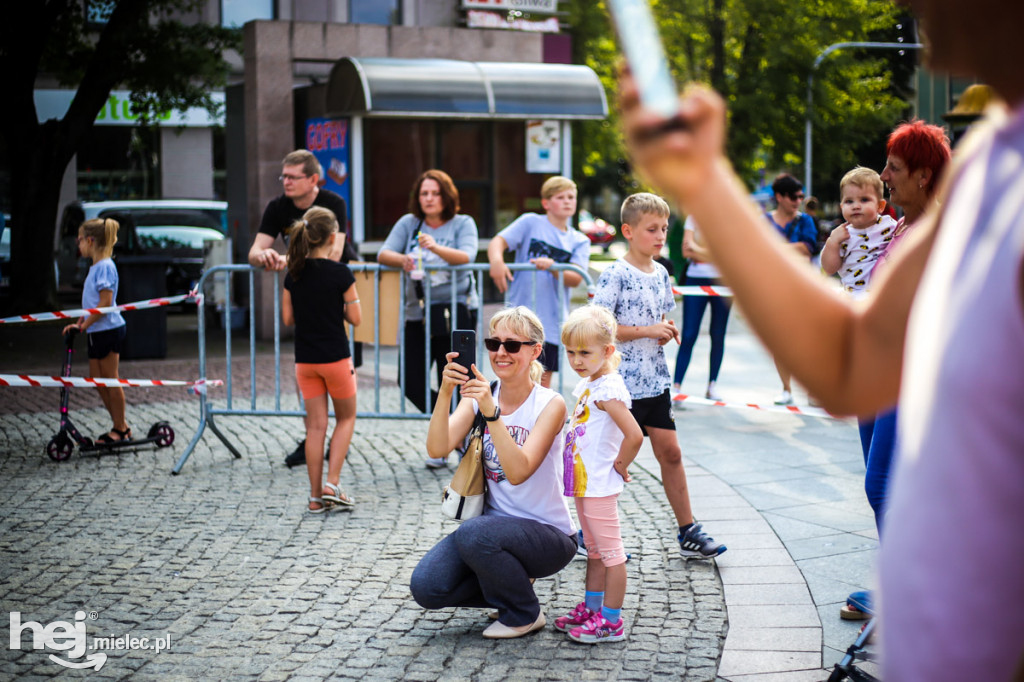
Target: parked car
x,y
175,228
597,230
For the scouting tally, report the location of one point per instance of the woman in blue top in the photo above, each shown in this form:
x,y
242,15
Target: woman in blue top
x,y
799,230
106,332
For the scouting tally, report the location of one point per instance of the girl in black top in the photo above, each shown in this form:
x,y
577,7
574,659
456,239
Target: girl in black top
x,y
319,298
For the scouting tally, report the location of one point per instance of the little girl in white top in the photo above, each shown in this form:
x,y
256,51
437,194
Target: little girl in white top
x,y
602,440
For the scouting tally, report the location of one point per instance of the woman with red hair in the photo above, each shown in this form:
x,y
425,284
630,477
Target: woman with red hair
x,y
916,155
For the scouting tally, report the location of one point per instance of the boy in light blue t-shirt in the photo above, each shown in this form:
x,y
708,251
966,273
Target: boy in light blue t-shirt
x,y
638,291
543,240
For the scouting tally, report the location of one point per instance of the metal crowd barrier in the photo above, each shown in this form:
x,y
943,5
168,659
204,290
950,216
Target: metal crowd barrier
x,y
209,409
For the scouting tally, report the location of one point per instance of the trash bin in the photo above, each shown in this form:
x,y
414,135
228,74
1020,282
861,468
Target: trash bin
x,y
141,278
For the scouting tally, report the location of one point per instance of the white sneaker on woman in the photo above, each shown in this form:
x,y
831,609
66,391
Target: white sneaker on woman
x,y
784,398
712,392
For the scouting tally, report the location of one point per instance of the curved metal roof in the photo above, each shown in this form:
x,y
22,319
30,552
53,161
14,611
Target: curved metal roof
x,y
451,88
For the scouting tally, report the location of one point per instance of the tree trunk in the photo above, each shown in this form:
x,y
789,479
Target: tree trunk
x,y
716,32
38,166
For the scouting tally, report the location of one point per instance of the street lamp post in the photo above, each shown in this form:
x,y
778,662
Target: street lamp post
x,y
810,96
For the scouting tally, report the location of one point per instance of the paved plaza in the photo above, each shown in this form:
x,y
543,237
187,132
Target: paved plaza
x,y
222,563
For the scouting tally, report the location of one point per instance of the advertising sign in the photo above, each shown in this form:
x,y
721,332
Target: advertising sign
x,y
118,110
477,19
543,6
543,147
327,138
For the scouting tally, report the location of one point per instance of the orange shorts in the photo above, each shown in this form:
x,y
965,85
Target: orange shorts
x,y
335,378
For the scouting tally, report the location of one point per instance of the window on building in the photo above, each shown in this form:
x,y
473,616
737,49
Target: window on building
x,y
119,163
397,151
387,12
515,190
464,149
220,164
234,13
486,159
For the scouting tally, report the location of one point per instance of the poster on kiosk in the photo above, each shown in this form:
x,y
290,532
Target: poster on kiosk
x,y
327,138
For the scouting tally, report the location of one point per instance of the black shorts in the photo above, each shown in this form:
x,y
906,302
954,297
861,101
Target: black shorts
x,y
549,356
102,344
655,412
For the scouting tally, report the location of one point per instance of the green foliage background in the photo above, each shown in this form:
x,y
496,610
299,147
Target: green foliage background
x,y
758,55
155,48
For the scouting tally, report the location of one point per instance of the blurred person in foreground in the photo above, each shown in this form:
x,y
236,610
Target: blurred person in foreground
x,y
942,331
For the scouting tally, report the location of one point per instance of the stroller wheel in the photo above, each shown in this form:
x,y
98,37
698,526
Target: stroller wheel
x,y
59,448
838,675
163,433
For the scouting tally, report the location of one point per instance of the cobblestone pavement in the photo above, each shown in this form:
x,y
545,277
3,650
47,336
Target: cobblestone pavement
x,y
223,560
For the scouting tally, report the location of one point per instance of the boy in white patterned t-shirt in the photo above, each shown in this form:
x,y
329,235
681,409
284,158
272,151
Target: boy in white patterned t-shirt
x,y
638,291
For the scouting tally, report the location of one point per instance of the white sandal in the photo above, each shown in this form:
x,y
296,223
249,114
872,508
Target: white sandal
x,y
318,500
334,493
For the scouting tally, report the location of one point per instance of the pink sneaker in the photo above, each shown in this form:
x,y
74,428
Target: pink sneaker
x,y
597,630
578,616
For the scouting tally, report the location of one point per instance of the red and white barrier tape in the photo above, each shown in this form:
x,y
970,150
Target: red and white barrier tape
x,y
199,386
693,291
701,291
789,409
191,297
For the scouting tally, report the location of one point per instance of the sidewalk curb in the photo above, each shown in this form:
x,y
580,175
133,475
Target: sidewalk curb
x,y
773,623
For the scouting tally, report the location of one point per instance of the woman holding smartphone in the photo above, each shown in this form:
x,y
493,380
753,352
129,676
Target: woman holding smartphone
x,y
525,531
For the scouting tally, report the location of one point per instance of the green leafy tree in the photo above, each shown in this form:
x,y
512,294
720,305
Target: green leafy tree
x,y
758,55
147,46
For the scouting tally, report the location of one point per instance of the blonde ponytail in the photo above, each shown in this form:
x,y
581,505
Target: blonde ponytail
x,y
103,232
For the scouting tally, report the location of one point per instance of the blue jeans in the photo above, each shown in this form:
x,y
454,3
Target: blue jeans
x,y
488,562
693,314
878,441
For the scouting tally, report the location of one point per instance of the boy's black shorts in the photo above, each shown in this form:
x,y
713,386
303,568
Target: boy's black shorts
x,y
102,344
655,412
549,357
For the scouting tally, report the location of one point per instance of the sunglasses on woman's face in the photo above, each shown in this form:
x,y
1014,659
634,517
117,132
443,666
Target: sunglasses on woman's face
x,y
511,346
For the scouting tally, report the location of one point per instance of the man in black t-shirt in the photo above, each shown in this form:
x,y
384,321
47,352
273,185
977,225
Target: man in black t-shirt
x,y
300,175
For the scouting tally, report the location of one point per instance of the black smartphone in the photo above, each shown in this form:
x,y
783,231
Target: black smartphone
x,y
464,343
641,44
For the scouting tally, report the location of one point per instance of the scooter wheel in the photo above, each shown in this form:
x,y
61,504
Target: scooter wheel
x,y
163,433
59,448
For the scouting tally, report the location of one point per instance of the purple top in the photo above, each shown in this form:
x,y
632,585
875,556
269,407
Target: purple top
x,y
950,565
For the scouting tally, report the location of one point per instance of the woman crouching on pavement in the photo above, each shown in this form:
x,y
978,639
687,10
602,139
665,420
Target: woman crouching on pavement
x,y
525,531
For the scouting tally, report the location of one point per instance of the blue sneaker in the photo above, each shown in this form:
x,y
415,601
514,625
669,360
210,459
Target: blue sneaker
x,y
695,543
858,606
